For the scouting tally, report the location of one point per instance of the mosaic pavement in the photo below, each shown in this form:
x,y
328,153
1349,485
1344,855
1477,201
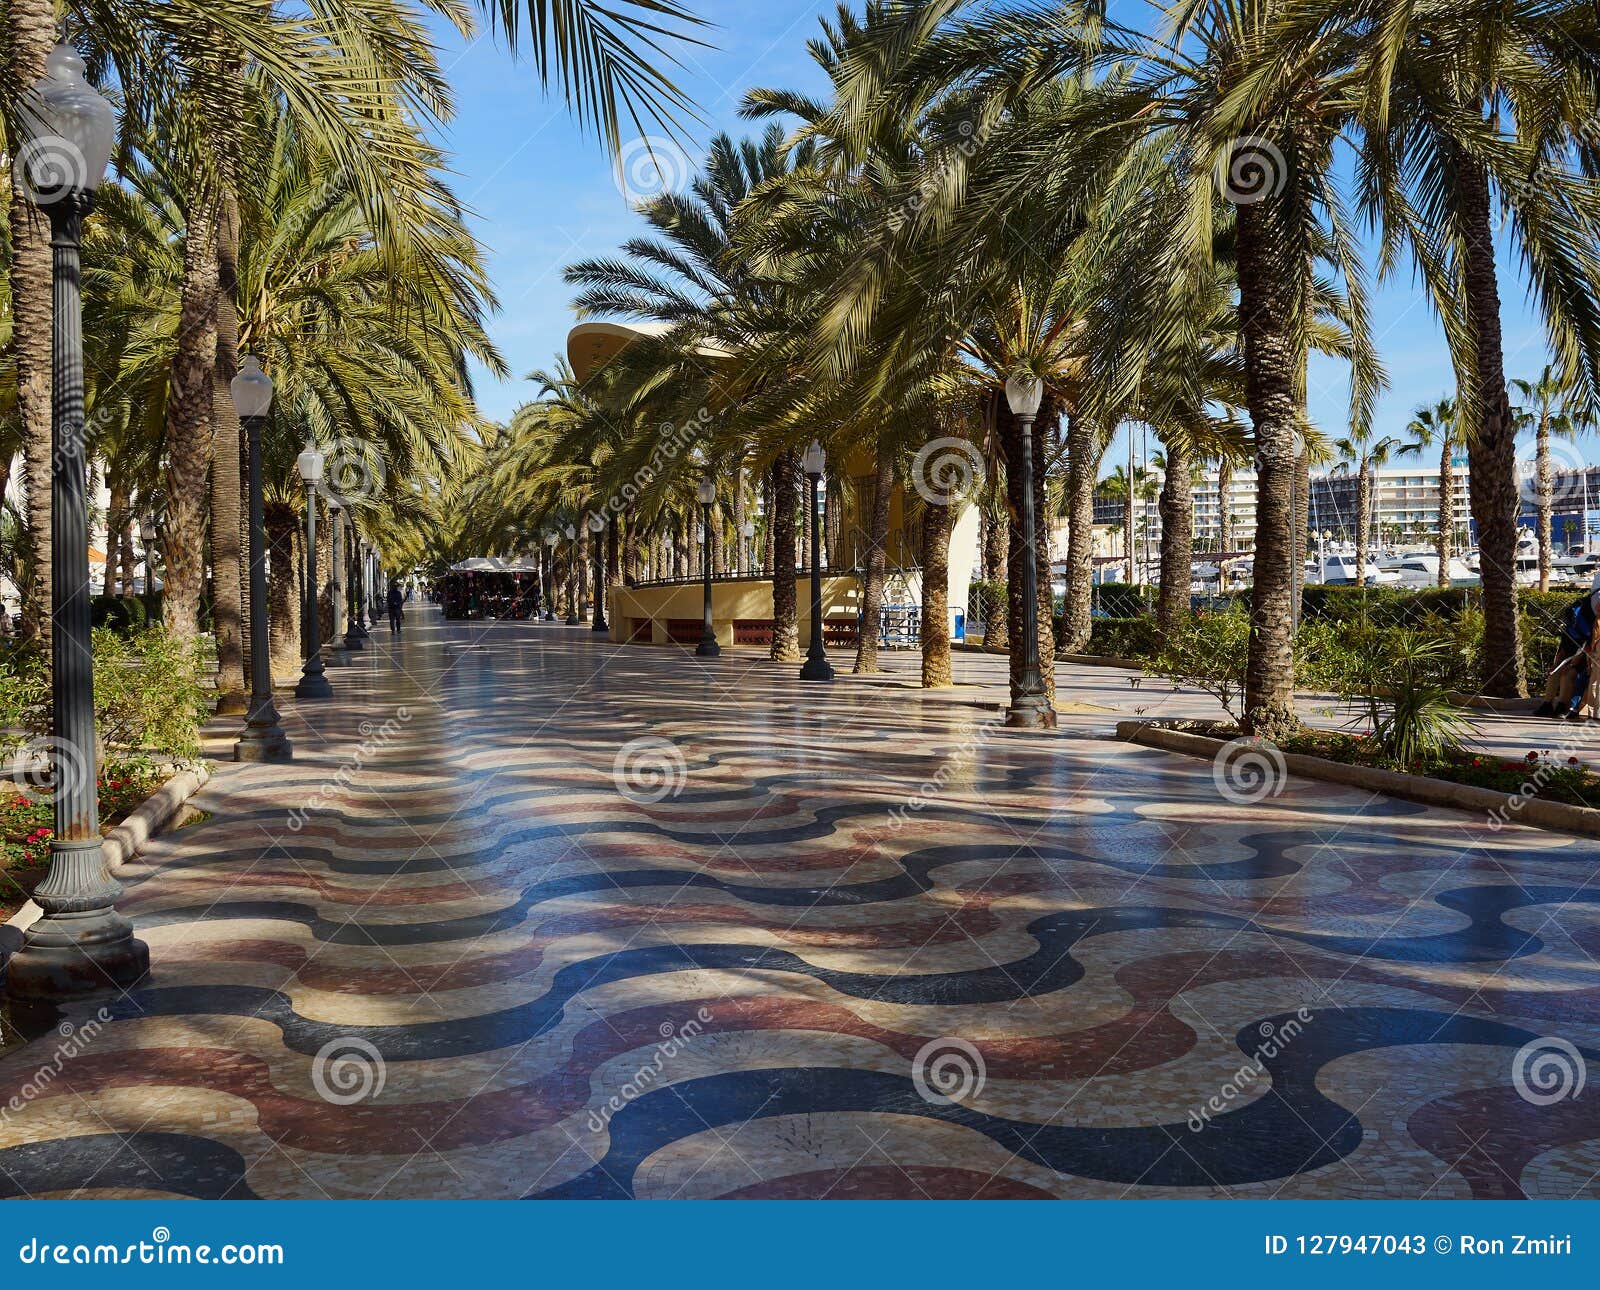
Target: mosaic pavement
x,y
532,915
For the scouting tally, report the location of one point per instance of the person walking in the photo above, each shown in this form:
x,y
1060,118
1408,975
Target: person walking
x,y
397,603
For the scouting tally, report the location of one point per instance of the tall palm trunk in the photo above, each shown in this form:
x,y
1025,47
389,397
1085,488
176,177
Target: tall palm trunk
x,y
1363,520
1010,437
1491,452
283,592
785,603
1271,362
1224,511
937,522
116,519
1083,463
188,428
30,32
1542,483
877,563
1447,511
227,599
1177,537
996,544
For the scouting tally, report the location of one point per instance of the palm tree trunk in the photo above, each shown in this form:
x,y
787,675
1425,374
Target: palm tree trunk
x,y
282,593
1010,438
1224,511
30,34
1177,537
227,599
1083,463
877,563
996,545
188,428
1492,451
785,604
1271,363
937,522
1447,511
1363,520
116,518
1542,482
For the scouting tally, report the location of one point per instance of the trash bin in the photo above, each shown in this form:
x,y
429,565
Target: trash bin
x,y
960,631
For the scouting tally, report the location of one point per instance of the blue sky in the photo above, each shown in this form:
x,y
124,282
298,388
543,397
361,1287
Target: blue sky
x,y
544,194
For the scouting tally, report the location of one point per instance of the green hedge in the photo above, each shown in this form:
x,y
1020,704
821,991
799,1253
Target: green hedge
x,y
1124,637
122,614
1123,599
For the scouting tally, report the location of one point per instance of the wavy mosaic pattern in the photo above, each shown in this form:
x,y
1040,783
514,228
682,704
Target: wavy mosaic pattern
x,y
532,915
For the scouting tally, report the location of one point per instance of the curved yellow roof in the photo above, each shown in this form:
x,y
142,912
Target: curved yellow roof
x,y
591,345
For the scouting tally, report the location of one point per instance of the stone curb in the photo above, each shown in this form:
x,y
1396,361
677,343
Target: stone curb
x,y
127,839
1558,817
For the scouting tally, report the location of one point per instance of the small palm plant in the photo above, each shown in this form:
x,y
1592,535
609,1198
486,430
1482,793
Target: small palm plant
x,y
1408,703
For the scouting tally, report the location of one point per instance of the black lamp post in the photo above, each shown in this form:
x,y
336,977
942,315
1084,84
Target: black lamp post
x,y
708,647
572,576
262,738
816,667
358,582
550,540
1030,706
313,679
147,535
748,535
80,944
597,530
354,637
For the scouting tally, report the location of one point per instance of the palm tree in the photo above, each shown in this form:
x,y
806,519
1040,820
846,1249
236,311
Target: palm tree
x,y
1365,455
1552,407
1438,427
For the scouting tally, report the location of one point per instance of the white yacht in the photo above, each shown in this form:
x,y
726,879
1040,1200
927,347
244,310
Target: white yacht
x,y
1421,569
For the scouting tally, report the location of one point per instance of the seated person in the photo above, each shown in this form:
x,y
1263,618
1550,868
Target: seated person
x,y
1567,686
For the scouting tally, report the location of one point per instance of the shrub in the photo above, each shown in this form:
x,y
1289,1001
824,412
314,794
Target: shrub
x,y
147,693
1120,637
1209,652
1122,599
121,614
1405,689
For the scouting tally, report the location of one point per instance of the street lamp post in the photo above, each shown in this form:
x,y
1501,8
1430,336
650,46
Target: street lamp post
x,y
550,540
354,637
816,667
749,534
358,582
262,738
708,647
147,535
1030,705
313,679
572,576
81,943
597,527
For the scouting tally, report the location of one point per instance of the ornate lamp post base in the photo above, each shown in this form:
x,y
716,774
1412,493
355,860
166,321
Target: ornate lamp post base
x,y
1031,712
263,742
708,648
313,684
81,945
816,669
